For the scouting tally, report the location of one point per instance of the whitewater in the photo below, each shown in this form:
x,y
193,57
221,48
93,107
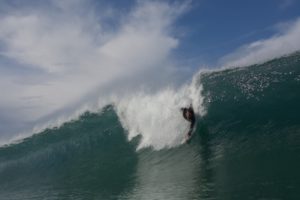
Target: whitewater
x,y
246,143
154,115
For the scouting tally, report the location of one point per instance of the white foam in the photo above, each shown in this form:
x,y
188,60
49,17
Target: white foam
x,y
157,117
154,116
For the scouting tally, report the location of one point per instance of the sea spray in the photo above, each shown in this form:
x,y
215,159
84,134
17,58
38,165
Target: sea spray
x,y
247,144
157,117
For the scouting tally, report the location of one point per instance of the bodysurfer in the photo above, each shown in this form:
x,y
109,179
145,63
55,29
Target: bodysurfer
x,y
189,115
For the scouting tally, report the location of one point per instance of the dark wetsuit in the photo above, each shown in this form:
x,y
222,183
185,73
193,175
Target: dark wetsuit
x,y
191,119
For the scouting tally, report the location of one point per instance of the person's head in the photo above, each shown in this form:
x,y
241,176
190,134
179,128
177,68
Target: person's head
x,y
188,114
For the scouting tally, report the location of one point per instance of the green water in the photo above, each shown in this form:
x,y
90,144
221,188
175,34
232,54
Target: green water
x,y
247,146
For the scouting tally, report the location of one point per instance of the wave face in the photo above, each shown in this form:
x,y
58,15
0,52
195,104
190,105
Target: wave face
x,y
246,144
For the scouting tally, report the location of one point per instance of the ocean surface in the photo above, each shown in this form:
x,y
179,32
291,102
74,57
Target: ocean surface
x,y
246,144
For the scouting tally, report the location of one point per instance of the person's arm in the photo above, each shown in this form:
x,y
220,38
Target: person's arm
x,y
189,133
191,127
192,123
183,110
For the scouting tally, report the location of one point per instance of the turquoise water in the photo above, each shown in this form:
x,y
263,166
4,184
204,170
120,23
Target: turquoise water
x,y
246,146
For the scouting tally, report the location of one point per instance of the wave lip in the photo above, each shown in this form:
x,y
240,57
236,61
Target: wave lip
x,y
157,118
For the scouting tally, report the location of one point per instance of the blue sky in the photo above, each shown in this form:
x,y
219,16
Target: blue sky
x,y
59,58
216,28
